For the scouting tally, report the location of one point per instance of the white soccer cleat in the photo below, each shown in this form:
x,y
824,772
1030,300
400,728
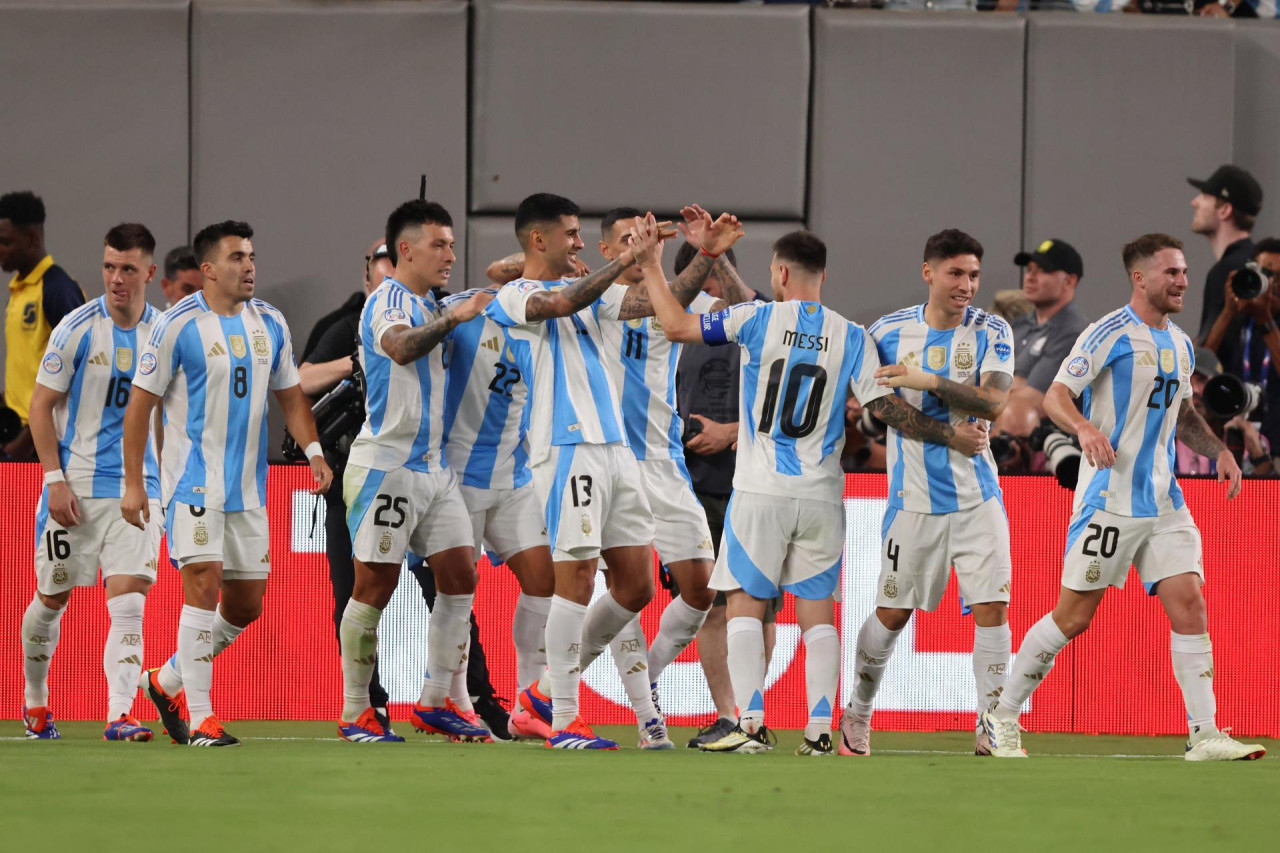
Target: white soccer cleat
x,y
981,740
855,735
653,735
1004,736
1223,747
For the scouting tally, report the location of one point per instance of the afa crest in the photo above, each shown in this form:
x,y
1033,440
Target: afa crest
x,y
238,348
260,346
124,359
200,535
936,357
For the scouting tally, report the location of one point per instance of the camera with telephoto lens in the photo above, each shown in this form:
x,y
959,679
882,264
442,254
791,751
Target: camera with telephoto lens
x,y
870,426
1249,281
339,415
1061,455
1227,395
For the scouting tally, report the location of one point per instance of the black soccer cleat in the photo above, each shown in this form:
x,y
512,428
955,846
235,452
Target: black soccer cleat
x,y
211,733
170,708
495,716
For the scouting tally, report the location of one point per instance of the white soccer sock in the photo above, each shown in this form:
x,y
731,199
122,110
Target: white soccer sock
x,y
447,639
991,650
40,629
605,620
745,639
358,638
875,646
122,654
170,676
631,657
458,684
1193,667
1034,660
224,633
195,661
821,673
529,632
564,643
679,625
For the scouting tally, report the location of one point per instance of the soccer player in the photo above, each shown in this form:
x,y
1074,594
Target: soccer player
x,y
1134,370
77,412
955,363
594,503
400,491
784,530
212,358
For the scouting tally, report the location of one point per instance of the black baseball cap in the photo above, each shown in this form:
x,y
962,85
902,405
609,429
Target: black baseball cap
x,y
1053,256
1235,185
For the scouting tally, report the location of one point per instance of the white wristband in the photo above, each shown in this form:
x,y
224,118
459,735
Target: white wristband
x,y
313,450
55,476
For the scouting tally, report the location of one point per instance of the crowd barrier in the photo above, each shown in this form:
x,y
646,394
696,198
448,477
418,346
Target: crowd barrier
x,y
1115,679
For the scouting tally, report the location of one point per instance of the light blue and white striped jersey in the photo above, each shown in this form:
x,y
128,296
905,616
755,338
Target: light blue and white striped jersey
x,y
933,478
573,396
404,403
92,360
1132,380
486,408
643,363
214,373
800,361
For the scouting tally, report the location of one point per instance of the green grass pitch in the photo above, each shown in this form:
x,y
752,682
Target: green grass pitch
x,y
294,786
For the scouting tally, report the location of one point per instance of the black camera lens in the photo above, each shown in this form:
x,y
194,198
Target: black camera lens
x,y
1226,396
1248,282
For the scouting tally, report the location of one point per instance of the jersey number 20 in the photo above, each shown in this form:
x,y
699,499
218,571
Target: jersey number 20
x,y
791,398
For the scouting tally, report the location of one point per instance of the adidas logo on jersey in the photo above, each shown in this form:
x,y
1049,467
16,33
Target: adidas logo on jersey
x,y
1145,359
910,360
215,350
100,358
494,343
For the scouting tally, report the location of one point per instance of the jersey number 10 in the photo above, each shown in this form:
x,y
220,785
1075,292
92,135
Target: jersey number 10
x,y
791,397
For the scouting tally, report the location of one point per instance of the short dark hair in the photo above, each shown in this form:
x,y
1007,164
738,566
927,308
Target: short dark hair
x,y
611,218
802,248
540,208
1271,246
178,259
130,235
23,208
210,235
1240,219
687,252
1146,246
951,242
417,212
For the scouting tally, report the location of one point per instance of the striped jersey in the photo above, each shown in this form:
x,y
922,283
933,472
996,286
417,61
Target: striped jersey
x,y
1132,379
643,363
573,395
933,478
403,425
486,408
800,361
92,360
214,373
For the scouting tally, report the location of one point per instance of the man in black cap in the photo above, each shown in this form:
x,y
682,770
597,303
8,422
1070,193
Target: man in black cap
x,y
1226,208
1044,337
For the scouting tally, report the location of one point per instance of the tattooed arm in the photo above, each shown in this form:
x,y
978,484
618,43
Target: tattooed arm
x,y
687,285
404,344
984,401
1195,433
507,269
735,289
969,438
713,237
547,304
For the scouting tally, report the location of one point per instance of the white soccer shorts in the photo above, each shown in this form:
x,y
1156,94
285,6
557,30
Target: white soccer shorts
x,y
679,522
773,545
67,557
392,512
240,540
918,550
1101,546
509,520
594,500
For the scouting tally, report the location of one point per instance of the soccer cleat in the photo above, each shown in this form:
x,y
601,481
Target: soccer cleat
x,y
982,740
821,746
1005,736
384,720
742,741
127,728
39,723
495,716
531,717
446,720
653,735
211,733
653,694
855,735
474,719
172,709
578,735
1222,747
367,729
711,733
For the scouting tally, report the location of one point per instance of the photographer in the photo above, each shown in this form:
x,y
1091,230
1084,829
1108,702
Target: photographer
x,y
1224,402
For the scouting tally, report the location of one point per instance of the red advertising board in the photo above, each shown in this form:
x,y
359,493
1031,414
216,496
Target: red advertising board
x,y
1115,679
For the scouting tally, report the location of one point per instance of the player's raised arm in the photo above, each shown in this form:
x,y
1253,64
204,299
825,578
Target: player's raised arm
x,y
1195,433
302,426
1060,406
62,501
404,344
677,324
137,421
711,237
505,270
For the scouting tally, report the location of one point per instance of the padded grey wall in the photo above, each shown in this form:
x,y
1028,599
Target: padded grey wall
x,y
1112,139
661,103
96,125
1257,121
906,143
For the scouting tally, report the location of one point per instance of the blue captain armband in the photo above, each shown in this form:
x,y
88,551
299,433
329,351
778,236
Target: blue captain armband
x,y
713,332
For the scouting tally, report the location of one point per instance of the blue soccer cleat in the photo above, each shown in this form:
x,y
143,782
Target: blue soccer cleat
x,y
367,729
39,723
578,735
127,728
446,720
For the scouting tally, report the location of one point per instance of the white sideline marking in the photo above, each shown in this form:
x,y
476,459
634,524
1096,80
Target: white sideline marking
x,y
1033,755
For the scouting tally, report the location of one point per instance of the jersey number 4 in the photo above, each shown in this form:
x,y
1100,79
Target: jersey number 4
x,y
787,421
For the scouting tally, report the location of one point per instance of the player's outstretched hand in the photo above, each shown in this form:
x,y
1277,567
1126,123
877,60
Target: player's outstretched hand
x,y
580,269
1229,469
901,376
722,234
134,508
695,225
1096,447
63,507
322,473
646,237
971,438
474,305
